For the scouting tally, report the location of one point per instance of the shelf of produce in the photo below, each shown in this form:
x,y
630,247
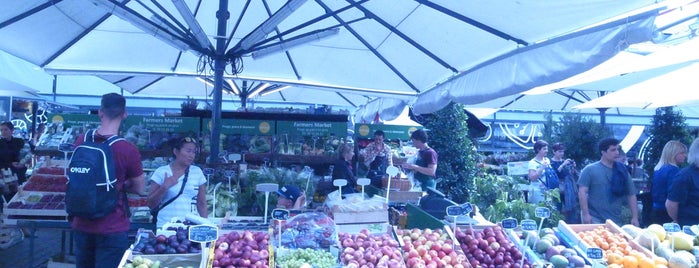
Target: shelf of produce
x,y
571,232
29,205
528,252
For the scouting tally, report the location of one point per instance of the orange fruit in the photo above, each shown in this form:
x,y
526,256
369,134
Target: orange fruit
x,y
630,262
646,262
614,258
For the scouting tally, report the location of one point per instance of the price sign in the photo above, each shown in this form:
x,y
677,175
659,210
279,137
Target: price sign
x,y
467,208
671,227
687,229
594,253
542,212
208,171
203,233
509,223
280,214
528,225
455,210
66,147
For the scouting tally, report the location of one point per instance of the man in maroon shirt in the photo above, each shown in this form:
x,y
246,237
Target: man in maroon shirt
x,y
102,242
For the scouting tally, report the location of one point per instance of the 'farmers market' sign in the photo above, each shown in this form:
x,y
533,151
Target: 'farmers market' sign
x,y
366,131
163,124
72,120
315,129
243,126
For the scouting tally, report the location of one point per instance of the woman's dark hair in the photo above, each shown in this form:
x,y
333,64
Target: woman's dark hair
x,y
180,142
540,144
420,135
558,147
8,125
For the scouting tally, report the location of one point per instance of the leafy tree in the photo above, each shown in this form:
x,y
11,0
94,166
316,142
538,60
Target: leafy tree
x,y
667,124
448,135
580,134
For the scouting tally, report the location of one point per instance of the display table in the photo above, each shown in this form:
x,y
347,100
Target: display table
x,y
64,227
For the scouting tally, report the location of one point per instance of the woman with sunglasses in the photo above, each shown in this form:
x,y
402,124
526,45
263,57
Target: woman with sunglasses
x,y
173,187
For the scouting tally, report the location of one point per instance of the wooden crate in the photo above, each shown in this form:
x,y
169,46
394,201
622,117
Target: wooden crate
x,y
570,231
29,209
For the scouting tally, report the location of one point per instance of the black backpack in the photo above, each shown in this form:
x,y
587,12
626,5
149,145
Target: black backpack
x,y
92,183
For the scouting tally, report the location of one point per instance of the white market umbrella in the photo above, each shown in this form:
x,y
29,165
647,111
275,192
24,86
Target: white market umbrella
x,y
404,48
672,88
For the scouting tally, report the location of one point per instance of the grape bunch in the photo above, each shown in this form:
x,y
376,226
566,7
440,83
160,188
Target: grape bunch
x,y
299,257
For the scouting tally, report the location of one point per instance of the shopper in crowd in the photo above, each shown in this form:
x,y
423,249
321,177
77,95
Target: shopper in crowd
x,y
291,197
10,147
425,165
102,242
377,157
674,154
540,167
565,169
178,188
604,185
682,202
343,168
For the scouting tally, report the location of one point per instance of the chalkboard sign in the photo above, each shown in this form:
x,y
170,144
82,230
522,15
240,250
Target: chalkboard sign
x,y
542,212
509,223
203,233
528,225
208,171
66,147
671,227
594,253
687,229
280,214
467,208
455,210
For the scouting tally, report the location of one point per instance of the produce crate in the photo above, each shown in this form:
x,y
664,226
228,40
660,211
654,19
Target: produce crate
x,y
373,228
402,184
379,216
166,260
404,197
528,252
28,205
570,231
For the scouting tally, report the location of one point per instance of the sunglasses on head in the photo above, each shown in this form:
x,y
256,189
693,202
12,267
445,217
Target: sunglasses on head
x,y
187,140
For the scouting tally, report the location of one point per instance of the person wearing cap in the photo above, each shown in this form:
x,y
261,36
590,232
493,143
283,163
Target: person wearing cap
x,y
290,197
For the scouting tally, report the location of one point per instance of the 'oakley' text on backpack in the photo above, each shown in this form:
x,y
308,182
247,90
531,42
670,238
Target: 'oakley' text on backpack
x,y
92,183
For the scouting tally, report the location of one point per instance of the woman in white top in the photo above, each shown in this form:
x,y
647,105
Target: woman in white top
x,y
166,184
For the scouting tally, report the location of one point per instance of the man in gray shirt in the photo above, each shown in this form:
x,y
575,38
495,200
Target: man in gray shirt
x,y
604,185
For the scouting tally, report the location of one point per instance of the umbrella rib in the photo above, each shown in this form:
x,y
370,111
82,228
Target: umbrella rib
x,y
182,28
149,84
73,41
281,39
346,99
28,13
237,22
473,22
373,50
328,13
406,38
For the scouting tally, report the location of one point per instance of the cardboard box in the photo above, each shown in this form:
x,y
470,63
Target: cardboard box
x,y
373,228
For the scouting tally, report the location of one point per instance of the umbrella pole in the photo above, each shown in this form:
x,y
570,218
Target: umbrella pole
x,y
219,67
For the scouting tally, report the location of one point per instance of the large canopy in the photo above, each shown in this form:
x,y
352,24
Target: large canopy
x,y
436,50
388,47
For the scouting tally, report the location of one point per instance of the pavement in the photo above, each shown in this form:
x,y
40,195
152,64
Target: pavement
x,y
47,246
